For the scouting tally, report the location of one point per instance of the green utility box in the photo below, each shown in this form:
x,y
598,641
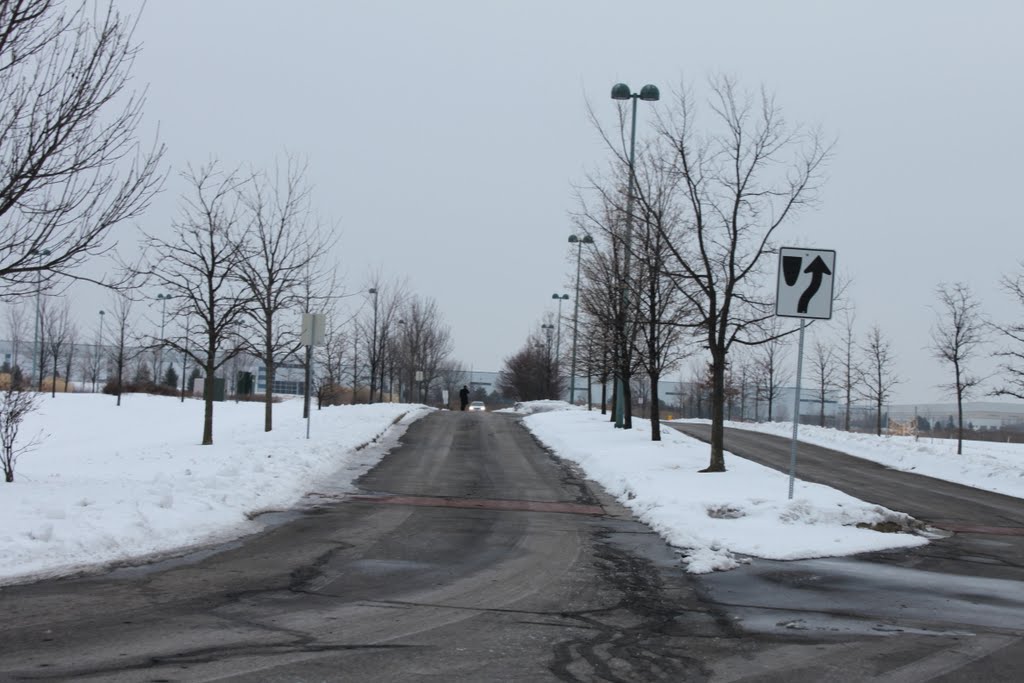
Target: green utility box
x,y
245,383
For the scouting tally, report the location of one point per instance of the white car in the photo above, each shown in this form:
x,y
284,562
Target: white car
x,y
477,405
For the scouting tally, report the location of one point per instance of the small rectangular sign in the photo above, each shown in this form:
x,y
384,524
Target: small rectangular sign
x,y
804,288
313,326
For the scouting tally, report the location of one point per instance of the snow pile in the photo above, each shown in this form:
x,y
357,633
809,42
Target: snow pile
x,y
108,484
715,518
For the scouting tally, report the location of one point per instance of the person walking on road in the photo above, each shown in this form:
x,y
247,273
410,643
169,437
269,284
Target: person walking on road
x,y
464,397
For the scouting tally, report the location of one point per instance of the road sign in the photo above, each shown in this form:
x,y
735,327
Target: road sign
x,y
313,327
805,283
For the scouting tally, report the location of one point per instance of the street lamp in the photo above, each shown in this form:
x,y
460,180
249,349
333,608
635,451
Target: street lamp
x,y
403,334
579,242
558,335
184,356
548,329
548,332
99,350
375,358
162,298
648,93
37,351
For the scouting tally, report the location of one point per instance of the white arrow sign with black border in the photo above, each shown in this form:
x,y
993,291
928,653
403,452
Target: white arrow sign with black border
x,y
805,283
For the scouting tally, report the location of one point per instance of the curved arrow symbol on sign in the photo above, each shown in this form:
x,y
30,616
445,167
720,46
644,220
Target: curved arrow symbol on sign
x,y
817,269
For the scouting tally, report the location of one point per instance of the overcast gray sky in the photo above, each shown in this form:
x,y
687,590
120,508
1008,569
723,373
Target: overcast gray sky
x,y
445,137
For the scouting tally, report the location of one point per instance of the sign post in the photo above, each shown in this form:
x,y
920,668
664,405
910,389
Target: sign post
x,y
804,290
313,326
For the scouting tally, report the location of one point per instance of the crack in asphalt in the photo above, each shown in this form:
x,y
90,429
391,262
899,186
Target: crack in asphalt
x,y
638,639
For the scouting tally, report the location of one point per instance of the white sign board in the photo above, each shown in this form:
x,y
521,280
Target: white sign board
x,y
805,283
313,326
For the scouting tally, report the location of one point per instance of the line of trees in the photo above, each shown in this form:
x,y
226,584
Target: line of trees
x,y
242,260
73,165
710,189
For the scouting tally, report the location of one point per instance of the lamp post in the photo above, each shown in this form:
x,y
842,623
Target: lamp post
x,y
162,298
402,351
99,350
579,242
558,334
184,356
648,93
548,329
375,357
37,351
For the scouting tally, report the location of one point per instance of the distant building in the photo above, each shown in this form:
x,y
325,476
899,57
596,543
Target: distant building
x,y
979,414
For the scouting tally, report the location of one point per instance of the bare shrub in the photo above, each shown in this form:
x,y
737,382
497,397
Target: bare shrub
x,y
14,406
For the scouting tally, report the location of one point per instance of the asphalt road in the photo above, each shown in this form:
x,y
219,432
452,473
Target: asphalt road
x,y
470,554
989,538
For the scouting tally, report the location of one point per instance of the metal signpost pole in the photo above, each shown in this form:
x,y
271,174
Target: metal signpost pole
x,y
804,290
796,409
309,355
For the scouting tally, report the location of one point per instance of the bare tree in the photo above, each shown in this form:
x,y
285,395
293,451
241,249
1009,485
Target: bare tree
x,y
388,304
771,367
743,370
661,310
371,336
601,299
15,332
426,342
956,338
879,377
72,168
60,332
15,404
199,265
850,371
529,374
823,373
320,293
69,354
375,324
1012,366
121,354
358,330
43,307
739,183
280,246
332,356
90,359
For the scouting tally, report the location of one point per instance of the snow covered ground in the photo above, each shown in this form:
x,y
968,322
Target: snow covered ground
x,y
112,484
715,519
984,465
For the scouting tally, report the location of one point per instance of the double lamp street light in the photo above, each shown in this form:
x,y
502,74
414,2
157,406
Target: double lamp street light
x,y
558,333
648,93
579,242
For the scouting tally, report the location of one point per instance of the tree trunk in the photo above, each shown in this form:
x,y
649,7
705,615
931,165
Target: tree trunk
x,y
268,395
627,404
717,463
655,412
960,419
67,369
208,406
878,418
120,372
